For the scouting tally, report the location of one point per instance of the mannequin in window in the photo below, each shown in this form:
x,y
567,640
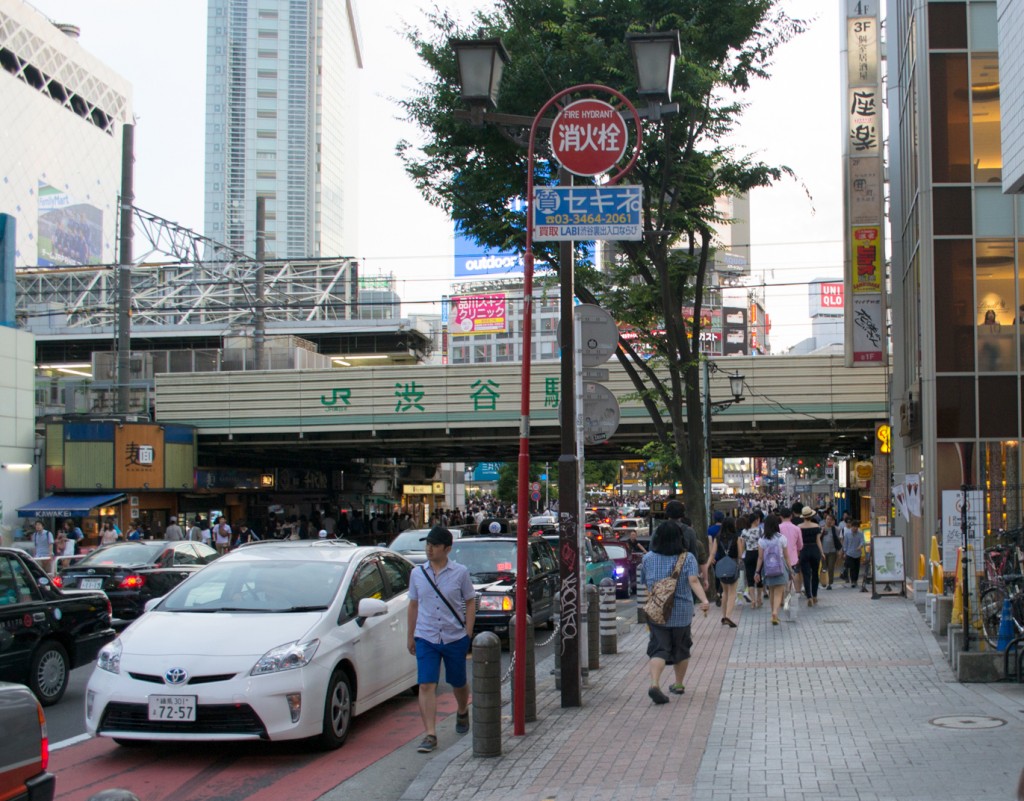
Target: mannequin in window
x,y
987,335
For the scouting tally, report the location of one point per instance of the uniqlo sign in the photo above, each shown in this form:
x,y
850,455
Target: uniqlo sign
x,y
588,137
831,296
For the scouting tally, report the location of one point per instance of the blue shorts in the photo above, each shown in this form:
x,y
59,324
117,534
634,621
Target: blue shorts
x,y
428,661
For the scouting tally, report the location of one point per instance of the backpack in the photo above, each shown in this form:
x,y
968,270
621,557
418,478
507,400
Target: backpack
x,y
658,607
774,565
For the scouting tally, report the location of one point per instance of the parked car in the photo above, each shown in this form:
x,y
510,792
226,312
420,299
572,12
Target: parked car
x,y
411,543
25,754
596,562
598,530
283,641
131,573
492,567
624,570
604,514
623,525
45,631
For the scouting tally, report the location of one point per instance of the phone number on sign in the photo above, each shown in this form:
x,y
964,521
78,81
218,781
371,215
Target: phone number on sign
x,y
584,219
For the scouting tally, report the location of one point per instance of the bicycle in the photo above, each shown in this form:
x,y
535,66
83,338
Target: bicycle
x,y
990,606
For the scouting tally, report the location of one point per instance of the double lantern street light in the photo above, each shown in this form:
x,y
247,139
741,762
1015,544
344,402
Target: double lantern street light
x,y
736,388
481,63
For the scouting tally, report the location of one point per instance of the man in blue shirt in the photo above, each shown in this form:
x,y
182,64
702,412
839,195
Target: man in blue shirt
x,y
442,612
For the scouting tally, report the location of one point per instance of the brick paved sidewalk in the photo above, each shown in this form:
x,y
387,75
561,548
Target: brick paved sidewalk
x,y
837,704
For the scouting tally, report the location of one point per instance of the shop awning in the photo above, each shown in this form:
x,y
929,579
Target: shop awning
x,y
68,505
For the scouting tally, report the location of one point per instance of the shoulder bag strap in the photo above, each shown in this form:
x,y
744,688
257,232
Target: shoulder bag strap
x,y
679,565
441,596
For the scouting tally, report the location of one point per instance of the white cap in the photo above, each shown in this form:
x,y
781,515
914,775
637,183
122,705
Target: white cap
x,y
323,533
174,519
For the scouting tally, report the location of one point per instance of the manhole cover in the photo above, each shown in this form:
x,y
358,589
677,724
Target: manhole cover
x,y
967,722
836,620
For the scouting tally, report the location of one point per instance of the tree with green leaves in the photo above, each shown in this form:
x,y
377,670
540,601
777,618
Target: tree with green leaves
x,y
477,173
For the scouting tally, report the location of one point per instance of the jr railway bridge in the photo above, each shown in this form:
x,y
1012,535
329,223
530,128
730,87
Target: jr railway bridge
x,y
793,405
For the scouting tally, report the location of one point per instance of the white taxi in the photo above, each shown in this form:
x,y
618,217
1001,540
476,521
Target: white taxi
x,y
274,641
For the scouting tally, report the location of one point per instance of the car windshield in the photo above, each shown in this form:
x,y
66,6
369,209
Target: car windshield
x,y
124,553
258,586
615,551
411,540
485,560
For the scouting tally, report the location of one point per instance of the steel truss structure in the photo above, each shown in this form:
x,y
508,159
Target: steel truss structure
x,y
184,279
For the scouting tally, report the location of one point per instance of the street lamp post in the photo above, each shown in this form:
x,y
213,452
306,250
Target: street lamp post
x,y
736,387
481,63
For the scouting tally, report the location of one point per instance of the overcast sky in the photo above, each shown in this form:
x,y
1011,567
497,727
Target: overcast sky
x,y
793,119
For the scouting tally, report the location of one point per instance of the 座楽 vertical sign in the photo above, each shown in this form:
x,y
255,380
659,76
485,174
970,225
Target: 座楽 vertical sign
x,y
862,155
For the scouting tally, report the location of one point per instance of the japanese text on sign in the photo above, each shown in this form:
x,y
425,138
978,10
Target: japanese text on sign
x,y
588,137
587,212
478,314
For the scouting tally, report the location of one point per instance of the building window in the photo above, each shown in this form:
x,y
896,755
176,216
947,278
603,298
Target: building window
x,y
998,405
985,116
951,211
954,407
504,352
460,354
947,26
482,354
953,303
951,119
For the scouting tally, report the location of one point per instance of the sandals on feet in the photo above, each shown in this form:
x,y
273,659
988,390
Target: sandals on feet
x,y
657,695
677,689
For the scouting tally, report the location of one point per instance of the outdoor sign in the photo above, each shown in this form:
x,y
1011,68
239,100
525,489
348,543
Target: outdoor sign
x,y
952,534
478,314
887,565
867,259
563,213
589,137
867,328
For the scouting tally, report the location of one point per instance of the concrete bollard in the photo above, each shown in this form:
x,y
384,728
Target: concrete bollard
x,y
641,599
609,630
531,668
593,628
486,695
114,794
558,645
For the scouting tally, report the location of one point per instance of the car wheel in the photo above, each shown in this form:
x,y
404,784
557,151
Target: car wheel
x,y
49,673
337,712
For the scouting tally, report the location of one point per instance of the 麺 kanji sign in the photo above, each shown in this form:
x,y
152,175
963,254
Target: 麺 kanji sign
x,y
588,137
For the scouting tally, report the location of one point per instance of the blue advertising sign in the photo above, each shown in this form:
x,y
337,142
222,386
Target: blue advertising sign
x,y
563,213
472,258
486,471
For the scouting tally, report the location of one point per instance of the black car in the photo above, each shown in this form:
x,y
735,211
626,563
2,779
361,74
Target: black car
x,y
492,566
45,632
131,573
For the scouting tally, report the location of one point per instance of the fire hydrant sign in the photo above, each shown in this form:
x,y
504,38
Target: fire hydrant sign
x,y
588,137
584,213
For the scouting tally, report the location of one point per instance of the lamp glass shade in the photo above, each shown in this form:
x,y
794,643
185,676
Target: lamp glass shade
x,y
736,385
654,58
481,62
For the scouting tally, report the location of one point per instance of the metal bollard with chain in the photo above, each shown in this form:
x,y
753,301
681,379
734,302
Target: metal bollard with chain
x,y
609,629
593,628
486,695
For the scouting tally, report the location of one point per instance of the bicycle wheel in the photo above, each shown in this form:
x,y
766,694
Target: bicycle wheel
x,y
990,607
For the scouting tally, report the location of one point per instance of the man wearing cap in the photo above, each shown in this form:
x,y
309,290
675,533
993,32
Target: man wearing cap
x,y
442,613
174,532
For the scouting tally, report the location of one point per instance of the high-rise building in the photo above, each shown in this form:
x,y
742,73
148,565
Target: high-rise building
x,y
60,170
281,110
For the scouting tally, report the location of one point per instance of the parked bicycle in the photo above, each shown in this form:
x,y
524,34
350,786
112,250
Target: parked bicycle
x,y
1003,580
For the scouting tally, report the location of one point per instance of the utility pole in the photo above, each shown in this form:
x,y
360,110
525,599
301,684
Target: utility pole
x,y
259,335
123,374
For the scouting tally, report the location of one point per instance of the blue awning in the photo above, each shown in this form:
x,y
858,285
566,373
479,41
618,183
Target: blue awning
x,y
67,505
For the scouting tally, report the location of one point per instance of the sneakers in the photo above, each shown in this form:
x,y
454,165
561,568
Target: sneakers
x,y
677,689
746,596
427,744
657,695
828,586
462,722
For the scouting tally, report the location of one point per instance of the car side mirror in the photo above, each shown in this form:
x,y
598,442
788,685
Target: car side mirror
x,y
370,607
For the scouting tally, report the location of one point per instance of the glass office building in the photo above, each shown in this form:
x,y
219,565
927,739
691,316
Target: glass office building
x,y
281,109
957,247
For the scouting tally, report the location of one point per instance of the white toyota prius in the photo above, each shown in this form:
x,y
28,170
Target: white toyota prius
x,y
274,641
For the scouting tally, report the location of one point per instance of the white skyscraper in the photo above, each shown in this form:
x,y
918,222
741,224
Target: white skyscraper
x,y
280,123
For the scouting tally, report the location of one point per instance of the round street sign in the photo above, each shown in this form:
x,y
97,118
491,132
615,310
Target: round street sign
x,y
600,413
588,137
599,334
535,495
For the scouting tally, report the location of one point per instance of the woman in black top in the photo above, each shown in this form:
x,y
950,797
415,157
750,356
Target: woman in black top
x,y
727,545
810,554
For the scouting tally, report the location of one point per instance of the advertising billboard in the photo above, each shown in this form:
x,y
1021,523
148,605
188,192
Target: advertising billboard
x,y
70,233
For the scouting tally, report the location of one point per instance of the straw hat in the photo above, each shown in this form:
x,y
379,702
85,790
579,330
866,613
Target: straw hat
x,y
807,512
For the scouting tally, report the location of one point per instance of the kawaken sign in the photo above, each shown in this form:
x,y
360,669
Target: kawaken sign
x,y
588,137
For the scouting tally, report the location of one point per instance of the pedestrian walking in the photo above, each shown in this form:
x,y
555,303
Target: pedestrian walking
x,y
670,644
174,532
726,562
442,613
107,533
42,546
831,547
222,535
772,564
853,544
749,538
794,542
810,554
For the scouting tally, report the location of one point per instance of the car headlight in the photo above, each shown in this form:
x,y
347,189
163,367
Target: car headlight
x,y
620,571
109,657
285,657
495,603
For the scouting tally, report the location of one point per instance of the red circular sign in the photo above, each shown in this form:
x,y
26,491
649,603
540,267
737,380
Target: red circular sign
x,y
589,137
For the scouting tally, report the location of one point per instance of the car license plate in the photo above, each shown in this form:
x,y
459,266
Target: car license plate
x,y
172,707
91,584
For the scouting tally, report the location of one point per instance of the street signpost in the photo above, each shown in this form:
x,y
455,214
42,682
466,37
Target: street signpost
x,y
562,213
589,137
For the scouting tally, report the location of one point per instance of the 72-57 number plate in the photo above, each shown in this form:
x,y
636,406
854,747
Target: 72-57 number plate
x,y
178,708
